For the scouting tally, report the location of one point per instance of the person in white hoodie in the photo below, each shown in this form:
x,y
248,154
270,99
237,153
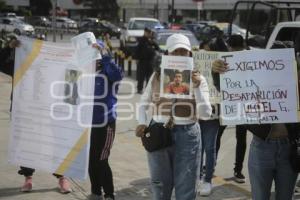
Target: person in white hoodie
x,y
176,166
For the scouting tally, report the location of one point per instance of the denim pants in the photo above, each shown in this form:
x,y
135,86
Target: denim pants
x,y
209,132
177,166
268,161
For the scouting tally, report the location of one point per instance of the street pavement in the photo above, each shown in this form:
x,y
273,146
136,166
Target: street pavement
x,y
128,161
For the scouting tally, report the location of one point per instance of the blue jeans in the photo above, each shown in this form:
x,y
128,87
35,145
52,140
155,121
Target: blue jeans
x,y
177,166
209,132
268,161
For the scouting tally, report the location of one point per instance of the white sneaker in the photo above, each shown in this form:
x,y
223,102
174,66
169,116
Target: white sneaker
x,y
205,189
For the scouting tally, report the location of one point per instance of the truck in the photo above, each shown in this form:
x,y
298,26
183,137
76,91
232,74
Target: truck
x,y
267,21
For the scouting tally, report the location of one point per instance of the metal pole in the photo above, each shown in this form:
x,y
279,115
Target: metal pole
x,y
157,9
54,3
173,12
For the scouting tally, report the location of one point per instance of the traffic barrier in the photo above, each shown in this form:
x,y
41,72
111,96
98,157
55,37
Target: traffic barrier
x,y
129,65
120,59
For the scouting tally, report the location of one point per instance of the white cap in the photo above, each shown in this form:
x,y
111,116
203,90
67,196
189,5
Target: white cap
x,y
176,41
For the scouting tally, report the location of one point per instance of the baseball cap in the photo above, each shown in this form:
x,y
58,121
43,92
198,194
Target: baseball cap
x,y
176,41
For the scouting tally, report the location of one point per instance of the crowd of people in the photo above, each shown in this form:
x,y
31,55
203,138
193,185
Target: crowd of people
x,y
194,132
269,158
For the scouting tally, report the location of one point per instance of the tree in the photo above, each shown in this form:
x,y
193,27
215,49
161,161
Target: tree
x,y
2,4
107,9
40,7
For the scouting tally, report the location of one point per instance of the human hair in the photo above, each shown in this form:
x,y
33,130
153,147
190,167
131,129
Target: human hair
x,y
177,72
236,41
218,44
203,43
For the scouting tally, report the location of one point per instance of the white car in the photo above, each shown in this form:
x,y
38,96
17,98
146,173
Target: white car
x,y
135,30
64,22
16,26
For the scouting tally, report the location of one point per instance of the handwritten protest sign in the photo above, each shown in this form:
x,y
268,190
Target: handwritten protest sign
x,y
260,87
203,62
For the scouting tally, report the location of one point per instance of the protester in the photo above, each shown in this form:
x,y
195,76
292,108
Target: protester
x,y
236,43
104,125
145,53
177,165
269,155
7,55
209,131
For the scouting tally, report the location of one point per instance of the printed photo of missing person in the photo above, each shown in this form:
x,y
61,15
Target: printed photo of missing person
x,y
176,83
71,87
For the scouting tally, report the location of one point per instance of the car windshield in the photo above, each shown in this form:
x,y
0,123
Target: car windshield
x,y
162,38
141,24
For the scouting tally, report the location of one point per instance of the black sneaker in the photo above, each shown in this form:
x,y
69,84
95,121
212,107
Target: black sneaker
x,y
239,177
109,197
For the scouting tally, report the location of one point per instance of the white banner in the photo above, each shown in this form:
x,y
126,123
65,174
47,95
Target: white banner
x,y
260,87
52,109
203,62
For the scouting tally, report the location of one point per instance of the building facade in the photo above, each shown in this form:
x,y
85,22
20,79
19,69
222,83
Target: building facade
x,y
185,10
17,3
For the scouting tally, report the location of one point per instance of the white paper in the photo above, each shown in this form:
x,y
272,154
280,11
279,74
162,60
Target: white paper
x,y
260,87
49,129
203,62
172,69
84,51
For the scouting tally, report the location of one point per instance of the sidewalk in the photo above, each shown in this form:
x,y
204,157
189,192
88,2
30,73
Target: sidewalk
x,y
128,162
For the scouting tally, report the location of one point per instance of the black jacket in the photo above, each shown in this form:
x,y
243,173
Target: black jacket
x,y
146,49
7,58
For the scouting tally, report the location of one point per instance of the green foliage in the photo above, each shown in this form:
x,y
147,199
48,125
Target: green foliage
x,y
40,7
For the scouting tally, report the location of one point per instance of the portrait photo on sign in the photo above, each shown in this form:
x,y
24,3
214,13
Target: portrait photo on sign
x,y
176,83
71,86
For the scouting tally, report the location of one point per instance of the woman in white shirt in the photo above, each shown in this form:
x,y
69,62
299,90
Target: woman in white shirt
x,y
177,165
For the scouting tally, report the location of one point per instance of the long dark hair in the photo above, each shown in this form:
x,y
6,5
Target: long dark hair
x,y
218,44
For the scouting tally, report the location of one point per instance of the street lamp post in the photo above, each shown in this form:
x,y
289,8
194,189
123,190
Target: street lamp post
x,y
173,12
54,6
157,9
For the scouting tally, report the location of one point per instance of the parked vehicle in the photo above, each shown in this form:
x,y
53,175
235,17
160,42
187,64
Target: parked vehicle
x,y
161,35
269,21
87,20
64,22
101,27
212,30
113,30
16,26
38,21
135,30
8,14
